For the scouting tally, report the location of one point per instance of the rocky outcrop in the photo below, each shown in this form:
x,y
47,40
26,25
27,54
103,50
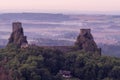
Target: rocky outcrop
x,y
85,41
17,37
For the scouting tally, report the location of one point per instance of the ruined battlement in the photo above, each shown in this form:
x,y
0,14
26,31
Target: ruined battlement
x,y
16,26
85,40
82,31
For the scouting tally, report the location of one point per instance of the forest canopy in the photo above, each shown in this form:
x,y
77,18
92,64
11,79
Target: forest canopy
x,y
39,63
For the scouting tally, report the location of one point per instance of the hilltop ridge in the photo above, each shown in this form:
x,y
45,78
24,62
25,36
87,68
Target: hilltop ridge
x,y
49,63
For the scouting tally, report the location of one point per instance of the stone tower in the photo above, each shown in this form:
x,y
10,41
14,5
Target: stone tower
x,y
85,41
17,37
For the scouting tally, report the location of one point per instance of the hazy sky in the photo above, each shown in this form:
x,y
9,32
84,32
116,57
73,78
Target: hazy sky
x,y
75,6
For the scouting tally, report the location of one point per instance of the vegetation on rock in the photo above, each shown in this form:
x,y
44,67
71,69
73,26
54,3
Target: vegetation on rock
x,y
38,63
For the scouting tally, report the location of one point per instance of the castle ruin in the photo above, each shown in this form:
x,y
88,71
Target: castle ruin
x,y
17,37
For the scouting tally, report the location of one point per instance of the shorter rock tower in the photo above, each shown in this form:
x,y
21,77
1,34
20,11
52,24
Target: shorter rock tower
x,y
85,41
17,37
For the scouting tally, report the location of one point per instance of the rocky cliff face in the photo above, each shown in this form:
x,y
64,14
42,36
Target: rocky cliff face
x,y
17,37
85,41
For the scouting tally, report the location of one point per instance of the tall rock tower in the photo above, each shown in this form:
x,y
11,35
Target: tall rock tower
x,y
85,41
17,37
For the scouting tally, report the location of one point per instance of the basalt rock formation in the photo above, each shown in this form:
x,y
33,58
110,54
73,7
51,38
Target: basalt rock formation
x,y
85,41
17,37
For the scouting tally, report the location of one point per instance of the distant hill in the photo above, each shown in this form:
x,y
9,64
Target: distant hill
x,y
35,16
111,50
52,42
3,41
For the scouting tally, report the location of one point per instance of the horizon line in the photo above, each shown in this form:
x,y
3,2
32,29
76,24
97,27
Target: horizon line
x,y
77,13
